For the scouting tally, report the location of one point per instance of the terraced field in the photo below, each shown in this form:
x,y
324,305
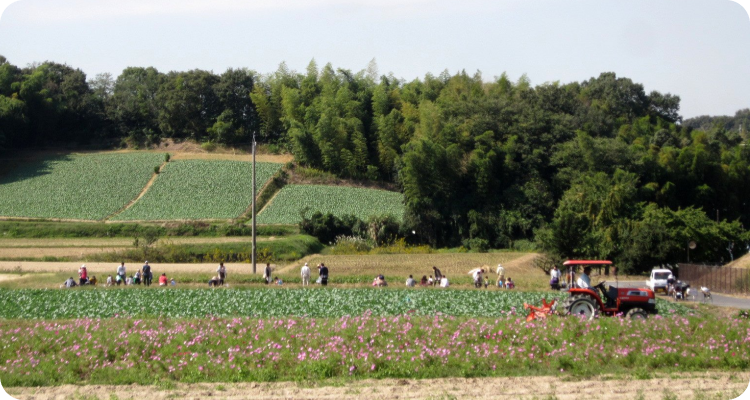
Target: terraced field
x,y
285,208
199,189
82,187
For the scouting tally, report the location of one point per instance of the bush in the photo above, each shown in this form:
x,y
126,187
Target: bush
x,y
477,245
327,227
350,245
208,146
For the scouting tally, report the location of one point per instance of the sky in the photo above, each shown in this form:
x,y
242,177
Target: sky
x,y
696,49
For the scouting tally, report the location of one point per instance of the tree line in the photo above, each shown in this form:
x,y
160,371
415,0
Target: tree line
x,y
597,168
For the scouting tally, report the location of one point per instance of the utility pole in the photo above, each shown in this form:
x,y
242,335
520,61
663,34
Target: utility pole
x,y
253,203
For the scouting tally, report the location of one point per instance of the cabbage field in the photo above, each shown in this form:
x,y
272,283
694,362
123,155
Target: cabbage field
x,y
285,208
84,187
278,302
199,189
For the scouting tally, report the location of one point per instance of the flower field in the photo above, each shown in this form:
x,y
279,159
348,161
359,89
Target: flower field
x,y
285,208
199,189
149,351
85,187
263,303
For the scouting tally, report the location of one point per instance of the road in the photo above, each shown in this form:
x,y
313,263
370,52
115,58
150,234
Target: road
x,y
719,299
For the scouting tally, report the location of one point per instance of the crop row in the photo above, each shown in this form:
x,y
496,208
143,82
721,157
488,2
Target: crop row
x,y
85,187
200,189
187,303
292,200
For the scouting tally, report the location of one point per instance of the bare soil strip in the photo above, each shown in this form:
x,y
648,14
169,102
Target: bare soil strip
x,y
709,385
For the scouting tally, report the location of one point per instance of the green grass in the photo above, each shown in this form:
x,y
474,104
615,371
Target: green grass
x,y
55,229
287,206
85,187
199,189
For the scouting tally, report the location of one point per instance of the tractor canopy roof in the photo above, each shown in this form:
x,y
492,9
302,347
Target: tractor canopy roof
x,y
587,262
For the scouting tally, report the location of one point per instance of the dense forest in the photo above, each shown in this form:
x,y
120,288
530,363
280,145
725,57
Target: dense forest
x,y
598,168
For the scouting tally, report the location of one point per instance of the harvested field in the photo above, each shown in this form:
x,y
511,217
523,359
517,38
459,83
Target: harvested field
x,y
715,385
451,264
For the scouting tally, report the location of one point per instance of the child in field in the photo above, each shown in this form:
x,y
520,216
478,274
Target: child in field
x,y
163,280
93,281
278,280
509,284
109,280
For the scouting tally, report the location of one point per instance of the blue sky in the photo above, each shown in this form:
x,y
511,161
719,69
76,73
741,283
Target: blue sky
x,y
695,49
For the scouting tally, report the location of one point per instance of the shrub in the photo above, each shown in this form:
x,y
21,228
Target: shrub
x,y
477,245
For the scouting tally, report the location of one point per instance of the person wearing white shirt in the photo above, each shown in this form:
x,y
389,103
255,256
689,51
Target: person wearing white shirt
x,y
121,271
555,275
305,272
444,281
584,282
500,275
410,281
476,274
222,273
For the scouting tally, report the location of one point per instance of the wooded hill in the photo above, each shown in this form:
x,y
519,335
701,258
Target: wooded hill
x,y
598,168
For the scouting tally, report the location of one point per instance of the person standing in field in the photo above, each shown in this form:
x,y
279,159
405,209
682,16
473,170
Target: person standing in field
x,y
438,275
500,276
121,271
305,272
554,278
323,271
267,273
83,275
147,276
222,273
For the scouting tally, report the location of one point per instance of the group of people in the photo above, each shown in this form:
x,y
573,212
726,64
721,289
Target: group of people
x,y
556,282
305,272
142,276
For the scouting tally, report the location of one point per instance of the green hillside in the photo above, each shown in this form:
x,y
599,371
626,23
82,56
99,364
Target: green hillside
x,y
286,207
199,189
85,187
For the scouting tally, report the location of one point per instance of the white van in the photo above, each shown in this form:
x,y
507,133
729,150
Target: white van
x,y
658,279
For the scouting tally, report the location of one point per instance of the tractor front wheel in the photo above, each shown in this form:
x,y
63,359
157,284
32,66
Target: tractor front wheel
x,y
582,305
637,313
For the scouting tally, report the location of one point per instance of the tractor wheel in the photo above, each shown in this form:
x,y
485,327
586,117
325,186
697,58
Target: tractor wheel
x,y
637,313
581,305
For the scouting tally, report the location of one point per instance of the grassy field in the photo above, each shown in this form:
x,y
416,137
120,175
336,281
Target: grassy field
x,y
199,189
83,187
286,207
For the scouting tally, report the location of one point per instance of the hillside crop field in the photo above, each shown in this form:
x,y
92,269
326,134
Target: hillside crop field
x,y
82,187
286,207
199,189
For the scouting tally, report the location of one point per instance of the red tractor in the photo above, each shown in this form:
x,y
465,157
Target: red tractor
x,y
590,302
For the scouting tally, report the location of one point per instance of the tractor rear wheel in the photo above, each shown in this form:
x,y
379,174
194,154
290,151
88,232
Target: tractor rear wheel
x,y
637,313
581,305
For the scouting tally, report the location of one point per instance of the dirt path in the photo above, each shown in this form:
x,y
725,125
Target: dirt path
x,y
708,385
